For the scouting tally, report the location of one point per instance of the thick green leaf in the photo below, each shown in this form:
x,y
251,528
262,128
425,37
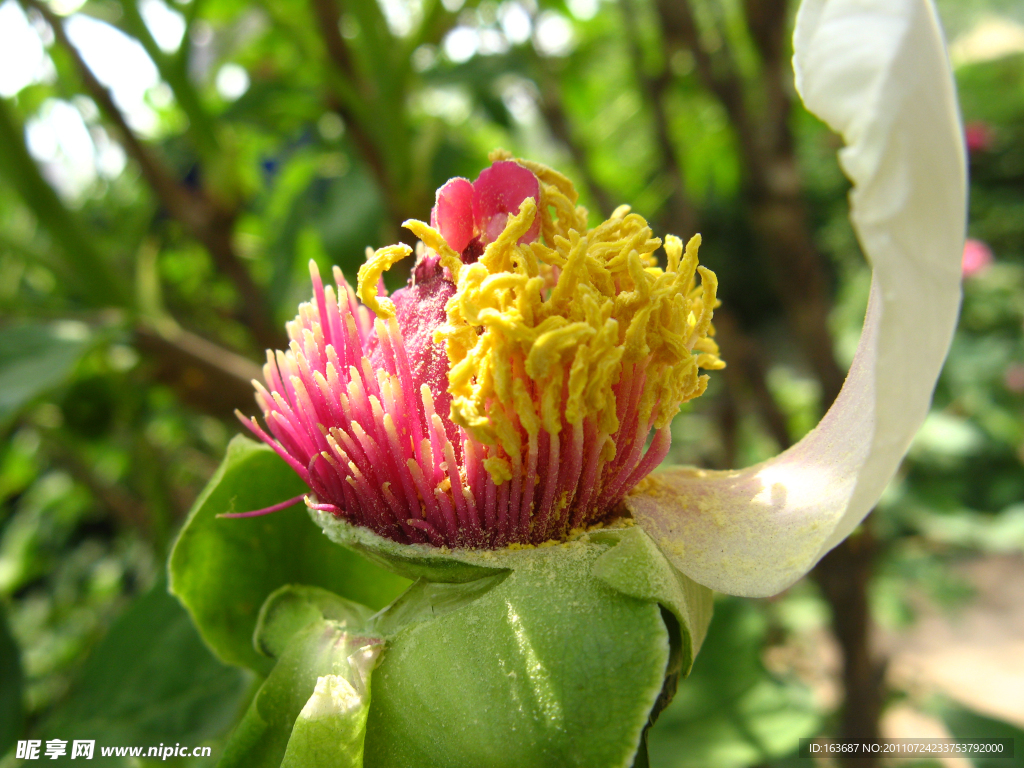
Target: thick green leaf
x,y
224,569
12,713
150,681
35,357
319,685
635,567
550,667
552,656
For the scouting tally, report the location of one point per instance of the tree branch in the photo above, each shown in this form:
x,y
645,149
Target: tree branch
x,y
718,73
683,215
204,375
185,94
205,218
746,370
551,106
94,280
843,576
327,16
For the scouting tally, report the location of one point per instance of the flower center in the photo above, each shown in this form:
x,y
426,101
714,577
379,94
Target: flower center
x,y
582,333
516,390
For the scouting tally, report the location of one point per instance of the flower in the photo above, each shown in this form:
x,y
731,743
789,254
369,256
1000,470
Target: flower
x,y
978,136
543,346
559,351
505,396
1013,378
977,256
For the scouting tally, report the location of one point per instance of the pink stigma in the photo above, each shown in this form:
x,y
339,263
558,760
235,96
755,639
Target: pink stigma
x,y
466,212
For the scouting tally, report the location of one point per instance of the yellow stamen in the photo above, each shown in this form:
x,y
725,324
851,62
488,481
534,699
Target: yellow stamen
x,y
369,275
540,333
431,238
548,326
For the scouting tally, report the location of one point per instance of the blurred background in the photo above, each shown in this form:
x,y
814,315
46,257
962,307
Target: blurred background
x,y
168,168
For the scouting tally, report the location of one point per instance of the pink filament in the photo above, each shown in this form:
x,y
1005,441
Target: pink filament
x,y
266,510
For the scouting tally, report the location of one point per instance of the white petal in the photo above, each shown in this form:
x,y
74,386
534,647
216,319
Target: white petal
x,y
877,72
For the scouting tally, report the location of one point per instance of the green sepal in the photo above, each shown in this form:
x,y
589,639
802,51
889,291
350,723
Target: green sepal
x,y
550,656
294,719
413,561
222,570
636,567
429,600
293,607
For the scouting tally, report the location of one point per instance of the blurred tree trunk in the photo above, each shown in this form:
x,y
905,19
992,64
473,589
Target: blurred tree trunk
x,y
844,575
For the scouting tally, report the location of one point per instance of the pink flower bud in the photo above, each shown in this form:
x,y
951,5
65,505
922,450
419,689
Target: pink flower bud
x,y
977,256
978,136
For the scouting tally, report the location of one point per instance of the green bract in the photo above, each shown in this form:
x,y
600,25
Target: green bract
x,y
553,656
223,570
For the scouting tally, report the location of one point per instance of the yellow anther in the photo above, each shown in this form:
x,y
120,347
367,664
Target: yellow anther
x,y
369,275
499,468
431,238
549,346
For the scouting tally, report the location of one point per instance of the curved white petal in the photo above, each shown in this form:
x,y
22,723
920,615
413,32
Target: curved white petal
x,y
876,71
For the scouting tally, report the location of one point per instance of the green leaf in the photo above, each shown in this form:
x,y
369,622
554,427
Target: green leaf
x,y
320,685
35,357
293,607
150,681
12,713
967,725
222,570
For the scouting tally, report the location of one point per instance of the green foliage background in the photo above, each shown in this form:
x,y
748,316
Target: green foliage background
x,y
135,305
